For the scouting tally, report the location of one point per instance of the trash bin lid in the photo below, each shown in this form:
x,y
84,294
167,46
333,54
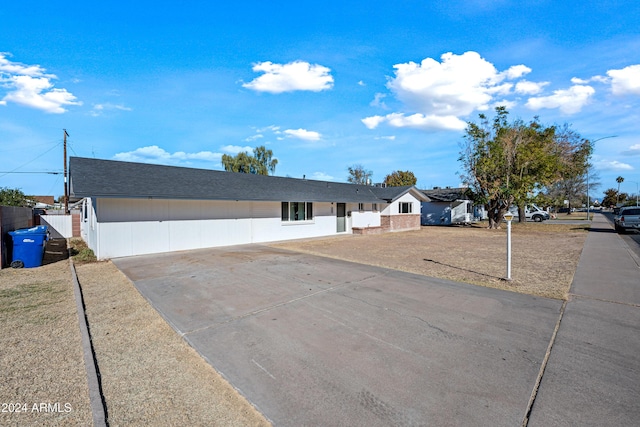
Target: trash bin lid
x,y
39,229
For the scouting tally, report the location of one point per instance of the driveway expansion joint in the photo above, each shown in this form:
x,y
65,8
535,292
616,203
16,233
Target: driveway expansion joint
x,y
630,304
543,366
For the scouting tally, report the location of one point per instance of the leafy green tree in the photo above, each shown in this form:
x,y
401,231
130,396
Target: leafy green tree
x,y
504,163
610,196
574,172
12,197
400,179
359,175
260,163
264,162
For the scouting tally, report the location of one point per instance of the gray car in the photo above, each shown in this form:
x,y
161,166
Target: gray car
x,y
627,219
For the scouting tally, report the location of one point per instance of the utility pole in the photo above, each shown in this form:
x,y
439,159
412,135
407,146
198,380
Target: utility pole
x,y
66,191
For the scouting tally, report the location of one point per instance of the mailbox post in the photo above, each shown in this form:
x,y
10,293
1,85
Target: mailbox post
x,y
508,217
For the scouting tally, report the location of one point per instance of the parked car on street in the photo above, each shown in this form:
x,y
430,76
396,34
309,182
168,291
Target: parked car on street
x,y
627,219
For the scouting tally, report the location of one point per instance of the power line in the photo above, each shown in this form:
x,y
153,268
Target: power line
x,y
50,173
30,161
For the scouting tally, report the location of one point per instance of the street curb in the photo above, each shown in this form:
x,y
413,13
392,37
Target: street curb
x,y
96,399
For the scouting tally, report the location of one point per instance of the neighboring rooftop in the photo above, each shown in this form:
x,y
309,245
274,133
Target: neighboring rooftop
x,y
446,194
110,178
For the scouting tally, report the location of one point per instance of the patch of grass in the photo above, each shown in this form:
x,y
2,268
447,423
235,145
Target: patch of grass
x,y
28,301
575,216
80,252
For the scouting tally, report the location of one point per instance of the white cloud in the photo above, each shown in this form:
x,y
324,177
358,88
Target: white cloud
x,y
516,71
298,75
626,80
504,103
390,137
272,128
321,176
416,121
612,165
99,109
155,154
30,86
420,121
15,68
378,101
634,150
569,101
303,134
373,121
438,94
254,137
235,149
579,81
456,86
526,87
361,83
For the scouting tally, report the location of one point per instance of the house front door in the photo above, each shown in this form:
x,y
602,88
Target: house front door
x,y
341,214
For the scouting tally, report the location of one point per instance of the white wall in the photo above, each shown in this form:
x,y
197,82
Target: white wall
x,y
60,223
392,208
88,224
361,219
128,227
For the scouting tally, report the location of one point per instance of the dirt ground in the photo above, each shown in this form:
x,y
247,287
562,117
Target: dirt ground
x,y
41,359
150,376
544,256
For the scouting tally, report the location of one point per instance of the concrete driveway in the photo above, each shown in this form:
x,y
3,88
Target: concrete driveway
x,y
315,341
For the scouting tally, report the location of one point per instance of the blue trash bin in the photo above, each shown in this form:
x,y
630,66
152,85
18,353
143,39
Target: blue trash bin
x,y
28,246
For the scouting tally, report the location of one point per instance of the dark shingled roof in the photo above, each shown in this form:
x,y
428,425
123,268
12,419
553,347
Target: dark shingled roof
x,y
109,178
446,194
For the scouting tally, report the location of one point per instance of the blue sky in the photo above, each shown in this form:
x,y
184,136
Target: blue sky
x,y
325,85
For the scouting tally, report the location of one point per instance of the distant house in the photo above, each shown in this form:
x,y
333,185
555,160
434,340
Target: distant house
x,y
136,208
447,206
43,202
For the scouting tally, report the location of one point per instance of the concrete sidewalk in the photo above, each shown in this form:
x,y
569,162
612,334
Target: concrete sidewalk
x,y
593,374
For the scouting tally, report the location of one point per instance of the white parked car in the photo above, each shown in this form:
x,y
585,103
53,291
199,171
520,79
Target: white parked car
x,y
531,212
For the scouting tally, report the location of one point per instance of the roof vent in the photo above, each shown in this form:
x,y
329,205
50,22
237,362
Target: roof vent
x,y
436,188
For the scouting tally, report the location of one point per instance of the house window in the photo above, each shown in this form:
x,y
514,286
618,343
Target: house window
x,y
360,207
297,211
405,207
374,207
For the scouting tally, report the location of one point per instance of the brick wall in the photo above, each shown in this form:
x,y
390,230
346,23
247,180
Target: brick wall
x,y
400,222
368,230
75,224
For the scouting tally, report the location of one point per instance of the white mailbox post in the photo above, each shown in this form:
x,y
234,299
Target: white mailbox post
x,y
508,217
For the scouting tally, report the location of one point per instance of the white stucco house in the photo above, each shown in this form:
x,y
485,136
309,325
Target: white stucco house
x,y
138,208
